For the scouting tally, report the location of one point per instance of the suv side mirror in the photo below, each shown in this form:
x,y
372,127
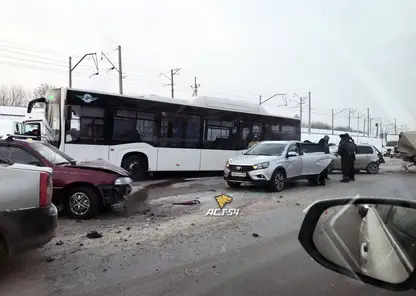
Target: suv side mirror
x,y
292,154
244,151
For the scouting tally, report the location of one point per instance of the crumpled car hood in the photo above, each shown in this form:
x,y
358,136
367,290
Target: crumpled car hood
x,y
102,165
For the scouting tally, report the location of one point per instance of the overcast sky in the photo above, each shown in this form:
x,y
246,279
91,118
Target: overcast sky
x,y
359,54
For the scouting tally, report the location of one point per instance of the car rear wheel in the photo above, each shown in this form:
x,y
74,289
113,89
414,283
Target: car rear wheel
x,y
278,181
83,203
372,168
135,166
233,184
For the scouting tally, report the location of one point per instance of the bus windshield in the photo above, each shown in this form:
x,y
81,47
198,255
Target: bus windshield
x,y
53,115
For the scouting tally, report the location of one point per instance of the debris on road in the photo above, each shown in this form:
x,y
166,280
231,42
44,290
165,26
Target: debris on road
x,y
94,234
187,203
59,243
50,259
298,204
255,234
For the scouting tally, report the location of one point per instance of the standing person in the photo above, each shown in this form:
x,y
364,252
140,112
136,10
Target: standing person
x,y
324,143
353,148
346,151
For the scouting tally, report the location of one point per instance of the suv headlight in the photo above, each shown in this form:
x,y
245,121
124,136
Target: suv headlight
x,y
260,166
123,181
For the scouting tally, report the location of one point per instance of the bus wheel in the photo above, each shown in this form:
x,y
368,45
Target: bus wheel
x,y
135,166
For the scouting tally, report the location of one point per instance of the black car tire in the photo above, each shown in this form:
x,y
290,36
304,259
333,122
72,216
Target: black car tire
x,y
90,196
277,181
135,166
233,184
371,166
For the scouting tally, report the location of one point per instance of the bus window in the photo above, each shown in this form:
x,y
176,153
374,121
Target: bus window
x,y
220,134
180,131
134,126
86,124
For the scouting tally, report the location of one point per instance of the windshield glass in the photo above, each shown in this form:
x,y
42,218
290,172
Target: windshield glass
x,y
53,115
52,154
267,149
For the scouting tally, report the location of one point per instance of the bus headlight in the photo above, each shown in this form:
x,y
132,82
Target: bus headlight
x,y
260,166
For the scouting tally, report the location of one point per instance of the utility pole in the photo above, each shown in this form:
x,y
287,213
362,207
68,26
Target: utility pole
x,y
173,72
364,120
333,121
349,120
358,126
301,109
195,88
371,126
381,128
395,127
119,69
70,68
368,123
310,109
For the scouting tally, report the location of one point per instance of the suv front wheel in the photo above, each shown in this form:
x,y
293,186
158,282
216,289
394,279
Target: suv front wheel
x,y
277,182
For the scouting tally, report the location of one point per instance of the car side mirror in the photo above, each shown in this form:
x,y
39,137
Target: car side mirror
x,y
292,154
348,236
244,151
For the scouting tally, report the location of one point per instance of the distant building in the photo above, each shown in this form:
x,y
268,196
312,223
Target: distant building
x,y
15,113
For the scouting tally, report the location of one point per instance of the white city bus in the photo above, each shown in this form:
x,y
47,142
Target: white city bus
x,y
153,133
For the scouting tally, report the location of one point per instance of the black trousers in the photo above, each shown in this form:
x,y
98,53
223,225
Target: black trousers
x,y
347,167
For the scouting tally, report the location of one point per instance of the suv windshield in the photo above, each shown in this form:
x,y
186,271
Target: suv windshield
x,y
267,149
52,154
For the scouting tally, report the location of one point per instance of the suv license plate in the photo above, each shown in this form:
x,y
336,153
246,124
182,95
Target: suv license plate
x,y
238,174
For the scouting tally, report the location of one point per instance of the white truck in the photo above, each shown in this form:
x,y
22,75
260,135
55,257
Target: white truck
x,y
390,145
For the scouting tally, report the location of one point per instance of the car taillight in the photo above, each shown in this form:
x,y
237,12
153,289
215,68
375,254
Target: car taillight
x,y
45,189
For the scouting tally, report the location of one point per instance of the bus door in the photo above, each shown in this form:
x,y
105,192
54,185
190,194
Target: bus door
x,y
84,133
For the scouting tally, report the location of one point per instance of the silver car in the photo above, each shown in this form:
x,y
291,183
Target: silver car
x,y
367,158
28,218
271,163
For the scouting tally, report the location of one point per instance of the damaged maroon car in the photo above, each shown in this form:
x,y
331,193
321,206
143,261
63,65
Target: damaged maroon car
x,y
82,189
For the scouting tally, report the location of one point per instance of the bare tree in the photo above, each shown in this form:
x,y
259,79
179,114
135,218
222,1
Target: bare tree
x,y
13,96
41,90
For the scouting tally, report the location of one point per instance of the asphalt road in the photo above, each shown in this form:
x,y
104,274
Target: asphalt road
x,y
187,253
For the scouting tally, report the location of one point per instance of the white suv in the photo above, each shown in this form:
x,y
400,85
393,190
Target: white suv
x,y
271,163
